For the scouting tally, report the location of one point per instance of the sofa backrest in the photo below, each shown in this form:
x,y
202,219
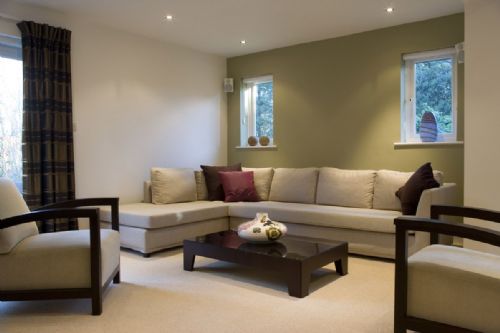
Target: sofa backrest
x,y
294,185
348,188
201,185
147,192
387,182
325,186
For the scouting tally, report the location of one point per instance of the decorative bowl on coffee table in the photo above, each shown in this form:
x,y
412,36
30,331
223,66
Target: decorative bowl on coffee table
x,y
262,230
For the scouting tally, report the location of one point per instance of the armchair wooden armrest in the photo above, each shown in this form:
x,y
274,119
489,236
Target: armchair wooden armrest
x,y
46,214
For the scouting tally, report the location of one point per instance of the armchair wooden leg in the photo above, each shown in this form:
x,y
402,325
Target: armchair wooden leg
x,y
399,327
97,304
116,279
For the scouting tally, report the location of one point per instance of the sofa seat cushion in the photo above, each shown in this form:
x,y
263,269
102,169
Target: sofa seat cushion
x,y
57,260
317,215
150,216
455,286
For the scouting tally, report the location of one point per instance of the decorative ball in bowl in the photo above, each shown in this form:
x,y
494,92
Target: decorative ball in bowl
x,y
252,141
264,140
261,230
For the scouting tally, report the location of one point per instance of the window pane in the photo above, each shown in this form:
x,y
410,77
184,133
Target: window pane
x,y
11,99
433,92
264,110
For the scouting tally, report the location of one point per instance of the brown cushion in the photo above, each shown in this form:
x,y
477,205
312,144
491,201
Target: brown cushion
x,y
214,186
409,194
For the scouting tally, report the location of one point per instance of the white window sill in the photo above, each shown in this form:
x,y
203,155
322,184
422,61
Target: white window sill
x,y
270,147
427,144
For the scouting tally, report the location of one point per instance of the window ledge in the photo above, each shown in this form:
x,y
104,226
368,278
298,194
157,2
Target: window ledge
x,y
270,147
399,145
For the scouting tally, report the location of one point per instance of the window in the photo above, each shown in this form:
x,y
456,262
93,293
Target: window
x,y
429,85
11,106
257,108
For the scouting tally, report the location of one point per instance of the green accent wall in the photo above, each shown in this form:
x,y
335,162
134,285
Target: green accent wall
x,y
337,101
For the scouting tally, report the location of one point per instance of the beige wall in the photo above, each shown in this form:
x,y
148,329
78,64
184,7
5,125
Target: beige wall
x,y
337,101
482,119
137,103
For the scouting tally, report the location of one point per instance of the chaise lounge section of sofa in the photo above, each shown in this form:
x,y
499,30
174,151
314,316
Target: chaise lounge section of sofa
x,y
357,206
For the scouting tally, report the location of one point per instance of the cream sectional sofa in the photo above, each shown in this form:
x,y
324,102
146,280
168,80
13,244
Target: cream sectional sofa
x,y
357,206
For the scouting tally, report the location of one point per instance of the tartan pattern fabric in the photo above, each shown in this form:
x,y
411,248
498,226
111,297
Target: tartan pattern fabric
x,y
47,136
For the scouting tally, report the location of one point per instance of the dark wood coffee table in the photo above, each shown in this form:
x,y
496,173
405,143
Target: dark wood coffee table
x,y
295,259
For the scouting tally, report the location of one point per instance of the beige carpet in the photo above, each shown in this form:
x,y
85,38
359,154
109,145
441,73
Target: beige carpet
x,y
156,295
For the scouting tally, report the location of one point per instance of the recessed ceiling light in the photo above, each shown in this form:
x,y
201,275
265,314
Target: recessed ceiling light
x,y
389,9
169,17
243,42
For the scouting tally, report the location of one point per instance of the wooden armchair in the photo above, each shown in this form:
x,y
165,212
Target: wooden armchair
x,y
445,288
67,264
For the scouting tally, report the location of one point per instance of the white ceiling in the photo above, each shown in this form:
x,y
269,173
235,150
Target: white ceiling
x,y
217,26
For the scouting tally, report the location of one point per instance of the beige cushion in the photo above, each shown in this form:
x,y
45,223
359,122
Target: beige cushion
x,y
149,216
201,185
262,178
57,260
349,188
315,215
455,286
12,204
294,185
169,185
387,182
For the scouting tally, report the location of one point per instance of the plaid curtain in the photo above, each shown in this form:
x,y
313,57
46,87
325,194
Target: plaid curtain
x,y
47,137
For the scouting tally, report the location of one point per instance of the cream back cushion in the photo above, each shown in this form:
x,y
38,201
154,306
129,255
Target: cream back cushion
x,y
294,185
387,182
12,204
201,185
348,188
170,185
262,178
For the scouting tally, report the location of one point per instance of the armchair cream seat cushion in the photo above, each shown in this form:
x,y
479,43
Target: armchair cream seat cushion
x,y
455,286
12,204
57,260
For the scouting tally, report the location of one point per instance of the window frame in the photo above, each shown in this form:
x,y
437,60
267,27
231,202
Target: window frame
x,y
11,48
248,102
408,104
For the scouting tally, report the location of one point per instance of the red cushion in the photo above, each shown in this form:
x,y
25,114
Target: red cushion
x,y
214,186
238,186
